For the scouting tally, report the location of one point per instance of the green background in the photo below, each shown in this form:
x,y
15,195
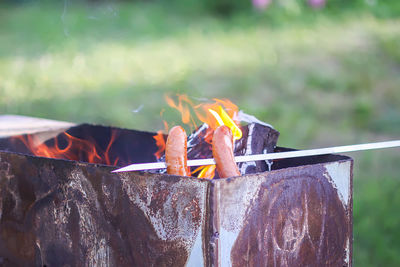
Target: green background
x,y
321,77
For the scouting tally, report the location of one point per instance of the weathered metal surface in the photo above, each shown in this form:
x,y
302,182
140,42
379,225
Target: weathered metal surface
x,y
58,212
300,216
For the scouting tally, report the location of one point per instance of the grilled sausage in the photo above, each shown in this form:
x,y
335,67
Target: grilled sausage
x,y
222,148
176,152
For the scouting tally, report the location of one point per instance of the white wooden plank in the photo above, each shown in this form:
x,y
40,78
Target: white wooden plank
x,y
15,124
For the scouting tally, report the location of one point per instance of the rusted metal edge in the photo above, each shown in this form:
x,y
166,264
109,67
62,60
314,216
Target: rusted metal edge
x,y
211,230
350,215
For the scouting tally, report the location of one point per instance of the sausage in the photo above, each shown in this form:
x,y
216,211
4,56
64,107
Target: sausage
x,y
222,148
176,152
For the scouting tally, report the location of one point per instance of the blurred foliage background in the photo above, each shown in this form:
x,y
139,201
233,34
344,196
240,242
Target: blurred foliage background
x,y
322,72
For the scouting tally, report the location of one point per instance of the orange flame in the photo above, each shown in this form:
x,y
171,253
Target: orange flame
x,y
184,105
75,149
205,171
219,112
160,142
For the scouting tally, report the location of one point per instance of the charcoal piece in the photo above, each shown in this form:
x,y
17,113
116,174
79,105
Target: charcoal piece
x,y
197,147
257,139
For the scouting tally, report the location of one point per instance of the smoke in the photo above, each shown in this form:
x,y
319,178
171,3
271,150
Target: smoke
x,y
64,13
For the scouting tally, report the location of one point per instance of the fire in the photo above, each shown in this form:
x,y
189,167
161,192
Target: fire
x,y
219,112
160,142
183,106
72,148
205,171
224,119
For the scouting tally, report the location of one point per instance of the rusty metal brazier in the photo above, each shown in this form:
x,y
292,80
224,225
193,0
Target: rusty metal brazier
x,y
56,212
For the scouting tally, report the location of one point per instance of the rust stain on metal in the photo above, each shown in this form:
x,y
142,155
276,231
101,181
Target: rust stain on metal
x,y
57,212
296,219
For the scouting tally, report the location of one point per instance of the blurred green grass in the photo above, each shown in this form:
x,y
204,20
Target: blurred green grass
x,y
326,77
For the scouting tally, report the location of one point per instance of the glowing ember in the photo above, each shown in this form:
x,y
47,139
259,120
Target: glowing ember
x,y
72,148
220,112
